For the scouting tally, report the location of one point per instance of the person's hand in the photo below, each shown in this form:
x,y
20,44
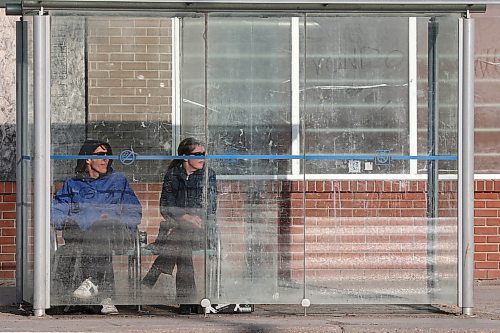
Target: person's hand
x,y
195,220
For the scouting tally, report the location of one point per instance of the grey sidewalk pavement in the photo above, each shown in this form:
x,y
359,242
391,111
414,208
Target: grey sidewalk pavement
x,y
269,318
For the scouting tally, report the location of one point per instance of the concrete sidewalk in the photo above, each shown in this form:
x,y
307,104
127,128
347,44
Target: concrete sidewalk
x,y
269,318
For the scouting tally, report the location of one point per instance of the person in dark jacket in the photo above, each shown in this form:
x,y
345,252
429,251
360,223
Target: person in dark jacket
x,y
98,212
188,203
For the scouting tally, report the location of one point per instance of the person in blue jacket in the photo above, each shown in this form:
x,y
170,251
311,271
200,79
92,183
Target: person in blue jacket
x,y
188,203
98,213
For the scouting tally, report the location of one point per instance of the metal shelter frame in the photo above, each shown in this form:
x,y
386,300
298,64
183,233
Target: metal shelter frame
x,y
41,157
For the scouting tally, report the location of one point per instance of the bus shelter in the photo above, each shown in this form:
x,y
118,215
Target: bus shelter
x,y
341,134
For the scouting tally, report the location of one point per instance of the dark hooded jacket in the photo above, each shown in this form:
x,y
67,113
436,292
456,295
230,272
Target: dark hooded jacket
x,y
184,195
86,200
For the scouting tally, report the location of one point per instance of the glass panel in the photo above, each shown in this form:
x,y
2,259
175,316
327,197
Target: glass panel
x,y
247,115
193,90
352,241
486,98
376,241
68,115
248,69
445,64
111,81
27,169
356,93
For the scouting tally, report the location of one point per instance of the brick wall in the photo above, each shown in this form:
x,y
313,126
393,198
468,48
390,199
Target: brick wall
x,y
129,71
130,87
348,225
126,79
356,232
7,230
487,229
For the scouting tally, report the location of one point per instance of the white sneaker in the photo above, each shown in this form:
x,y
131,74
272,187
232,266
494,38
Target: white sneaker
x,y
108,307
86,290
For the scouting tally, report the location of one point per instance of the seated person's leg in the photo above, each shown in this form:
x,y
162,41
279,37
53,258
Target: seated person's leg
x,y
66,271
67,275
184,279
168,248
97,267
162,264
99,276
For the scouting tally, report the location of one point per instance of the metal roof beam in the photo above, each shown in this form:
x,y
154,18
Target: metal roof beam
x,y
259,5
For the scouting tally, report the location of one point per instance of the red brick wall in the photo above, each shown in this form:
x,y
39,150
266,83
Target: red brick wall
x,y
7,230
487,229
333,209
355,231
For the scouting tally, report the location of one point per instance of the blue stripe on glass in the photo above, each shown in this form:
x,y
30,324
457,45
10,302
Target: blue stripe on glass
x,y
260,157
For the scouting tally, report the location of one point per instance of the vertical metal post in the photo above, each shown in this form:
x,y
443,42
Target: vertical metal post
x,y
21,129
40,87
306,302
205,131
295,91
413,92
176,83
432,150
467,164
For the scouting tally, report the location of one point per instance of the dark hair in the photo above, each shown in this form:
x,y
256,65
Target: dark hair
x,y
88,147
185,148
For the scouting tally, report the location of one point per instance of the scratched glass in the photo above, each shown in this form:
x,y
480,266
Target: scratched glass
x,y
356,92
366,240
247,90
26,137
257,89
487,70
110,80
445,88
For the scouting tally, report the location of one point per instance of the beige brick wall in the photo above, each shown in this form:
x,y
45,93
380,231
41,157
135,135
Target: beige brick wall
x,y
129,69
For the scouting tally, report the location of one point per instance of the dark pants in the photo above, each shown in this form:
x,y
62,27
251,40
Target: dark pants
x,y
89,254
176,251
